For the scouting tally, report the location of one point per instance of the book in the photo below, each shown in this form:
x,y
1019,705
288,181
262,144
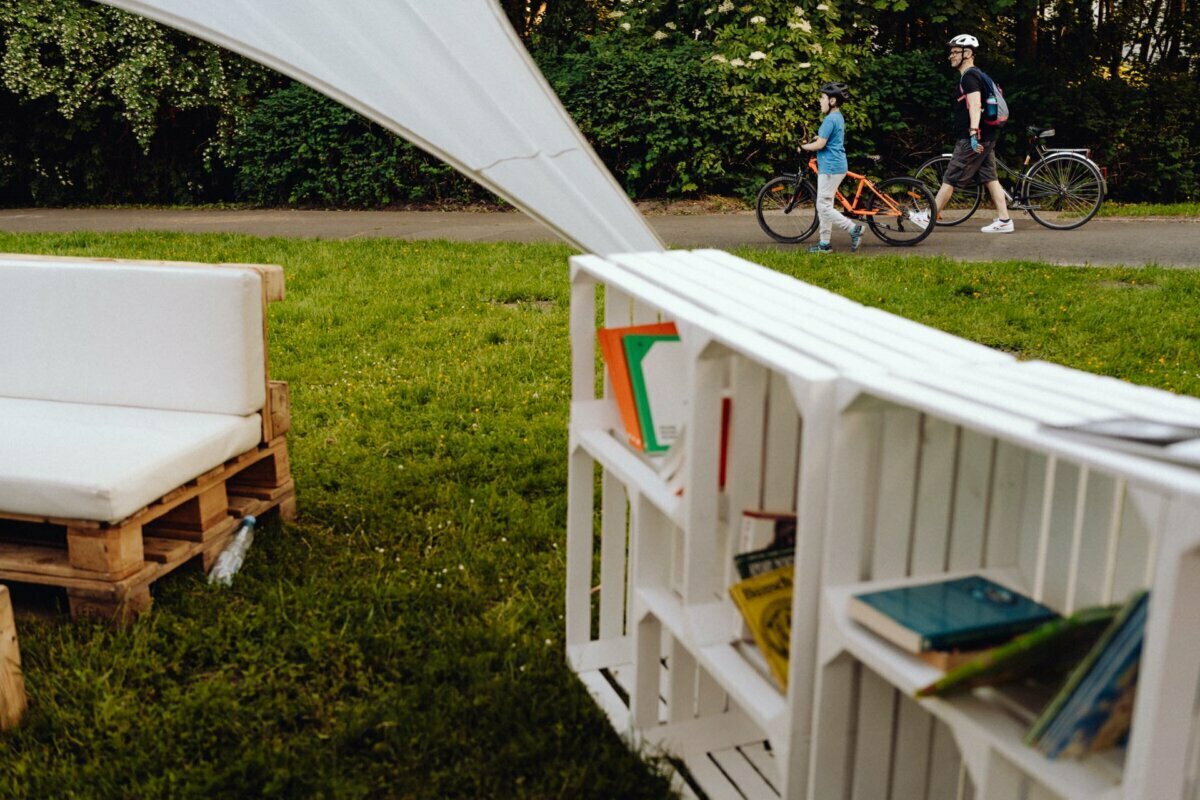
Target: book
x,y
762,528
1167,441
961,613
1045,653
1094,707
766,604
613,352
770,558
658,375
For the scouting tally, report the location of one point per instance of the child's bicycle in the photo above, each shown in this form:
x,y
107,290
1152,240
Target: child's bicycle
x,y
898,210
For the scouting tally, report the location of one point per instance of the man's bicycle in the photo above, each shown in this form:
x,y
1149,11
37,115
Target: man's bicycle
x,y
1060,188
897,210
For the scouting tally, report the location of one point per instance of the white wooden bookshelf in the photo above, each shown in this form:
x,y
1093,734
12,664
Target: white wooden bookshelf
x,y
907,455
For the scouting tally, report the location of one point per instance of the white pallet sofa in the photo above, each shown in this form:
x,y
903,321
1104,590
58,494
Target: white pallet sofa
x,y
711,704
773,411
134,398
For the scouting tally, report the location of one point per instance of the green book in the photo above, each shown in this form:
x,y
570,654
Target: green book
x,y
657,373
1045,653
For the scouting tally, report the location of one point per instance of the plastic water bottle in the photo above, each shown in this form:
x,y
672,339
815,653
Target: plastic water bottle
x,y
231,558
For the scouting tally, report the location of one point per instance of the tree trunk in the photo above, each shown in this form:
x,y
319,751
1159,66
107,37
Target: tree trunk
x,y
1027,32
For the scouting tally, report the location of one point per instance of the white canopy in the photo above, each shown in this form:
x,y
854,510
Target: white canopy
x,y
450,76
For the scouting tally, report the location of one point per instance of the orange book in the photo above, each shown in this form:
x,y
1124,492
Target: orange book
x,y
613,351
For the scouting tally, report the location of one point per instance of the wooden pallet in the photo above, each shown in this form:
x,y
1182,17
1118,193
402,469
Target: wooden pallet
x,y
107,568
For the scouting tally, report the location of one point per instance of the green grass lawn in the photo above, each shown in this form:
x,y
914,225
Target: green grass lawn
x,y
1111,209
405,637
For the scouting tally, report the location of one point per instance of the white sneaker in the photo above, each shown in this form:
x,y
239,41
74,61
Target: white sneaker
x,y
920,219
999,227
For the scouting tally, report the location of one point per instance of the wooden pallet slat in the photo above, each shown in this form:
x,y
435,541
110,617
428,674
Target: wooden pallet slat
x,y
12,682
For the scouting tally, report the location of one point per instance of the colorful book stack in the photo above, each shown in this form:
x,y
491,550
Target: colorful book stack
x,y
1093,709
647,371
1087,663
769,542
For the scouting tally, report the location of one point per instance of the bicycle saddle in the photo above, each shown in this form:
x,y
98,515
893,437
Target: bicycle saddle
x,y
1041,133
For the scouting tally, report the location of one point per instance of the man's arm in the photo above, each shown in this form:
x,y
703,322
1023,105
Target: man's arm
x,y
974,104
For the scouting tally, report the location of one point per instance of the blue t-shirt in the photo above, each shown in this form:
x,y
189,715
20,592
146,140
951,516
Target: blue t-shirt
x,y
831,159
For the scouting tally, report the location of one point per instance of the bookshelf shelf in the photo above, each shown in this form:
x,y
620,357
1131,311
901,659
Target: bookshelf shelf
x,y
724,657
984,722
632,470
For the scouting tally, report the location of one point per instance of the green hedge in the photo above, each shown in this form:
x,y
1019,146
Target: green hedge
x,y
300,148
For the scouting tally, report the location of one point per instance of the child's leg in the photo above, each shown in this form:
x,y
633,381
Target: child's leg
x,y
826,186
832,216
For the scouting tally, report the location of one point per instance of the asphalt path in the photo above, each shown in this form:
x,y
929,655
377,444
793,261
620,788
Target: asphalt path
x,y
1133,242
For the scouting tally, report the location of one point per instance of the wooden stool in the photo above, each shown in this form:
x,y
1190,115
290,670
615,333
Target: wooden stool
x,y
12,684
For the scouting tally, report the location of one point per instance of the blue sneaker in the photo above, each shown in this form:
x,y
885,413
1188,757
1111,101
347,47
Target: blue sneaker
x,y
821,247
855,237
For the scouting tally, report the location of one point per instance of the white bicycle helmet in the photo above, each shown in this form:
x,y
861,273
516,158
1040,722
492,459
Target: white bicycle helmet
x,y
964,40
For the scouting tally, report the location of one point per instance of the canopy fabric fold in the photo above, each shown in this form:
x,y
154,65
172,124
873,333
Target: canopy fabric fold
x,y
451,77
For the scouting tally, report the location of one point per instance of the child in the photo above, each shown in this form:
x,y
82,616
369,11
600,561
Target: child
x,y
830,148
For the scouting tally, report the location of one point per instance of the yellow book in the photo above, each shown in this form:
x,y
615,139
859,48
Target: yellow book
x,y
766,604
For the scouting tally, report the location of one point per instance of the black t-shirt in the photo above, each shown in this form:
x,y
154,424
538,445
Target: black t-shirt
x,y
970,82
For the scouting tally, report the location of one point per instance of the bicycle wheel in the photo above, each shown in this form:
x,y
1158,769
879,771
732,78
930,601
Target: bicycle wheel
x,y
1063,191
787,209
962,202
906,220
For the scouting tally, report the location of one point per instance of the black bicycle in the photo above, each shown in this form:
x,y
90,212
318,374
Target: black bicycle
x,y
1061,188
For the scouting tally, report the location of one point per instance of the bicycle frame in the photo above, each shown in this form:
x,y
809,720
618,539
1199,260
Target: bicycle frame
x,y
1036,152
864,183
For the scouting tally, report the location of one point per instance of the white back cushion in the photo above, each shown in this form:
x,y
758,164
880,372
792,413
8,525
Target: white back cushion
x,y
177,338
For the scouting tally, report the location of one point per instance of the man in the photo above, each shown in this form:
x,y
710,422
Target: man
x,y
973,150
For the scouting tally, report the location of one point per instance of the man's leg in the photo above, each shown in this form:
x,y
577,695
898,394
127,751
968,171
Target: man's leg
x,y
997,192
943,197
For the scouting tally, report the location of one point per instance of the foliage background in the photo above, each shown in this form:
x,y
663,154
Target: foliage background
x,y
98,106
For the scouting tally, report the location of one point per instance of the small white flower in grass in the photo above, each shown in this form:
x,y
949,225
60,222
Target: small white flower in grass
x,y
816,47
721,58
616,14
804,65
806,26
726,6
625,26
659,35
439,586
822,7
757,20
672,25
798,11
379,550
737,62
549,642
461,567
757,55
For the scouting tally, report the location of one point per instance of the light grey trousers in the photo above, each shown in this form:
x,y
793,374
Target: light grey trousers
x,y
827,185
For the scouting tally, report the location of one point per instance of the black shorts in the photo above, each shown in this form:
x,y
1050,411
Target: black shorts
x,y
966,164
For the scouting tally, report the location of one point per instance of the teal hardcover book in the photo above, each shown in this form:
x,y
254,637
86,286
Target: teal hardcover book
x,y
962,613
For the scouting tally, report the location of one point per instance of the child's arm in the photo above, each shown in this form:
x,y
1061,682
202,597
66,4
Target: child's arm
x,y
815,145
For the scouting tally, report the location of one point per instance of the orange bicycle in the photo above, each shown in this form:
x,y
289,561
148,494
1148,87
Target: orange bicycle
x,y
897,210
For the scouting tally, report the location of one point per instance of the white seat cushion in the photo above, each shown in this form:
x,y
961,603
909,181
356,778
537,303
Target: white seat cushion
x,y
103,463
183,338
